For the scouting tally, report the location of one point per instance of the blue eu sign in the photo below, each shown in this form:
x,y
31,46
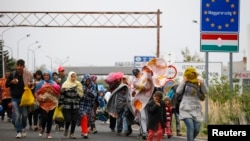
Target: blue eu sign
x,y
220,15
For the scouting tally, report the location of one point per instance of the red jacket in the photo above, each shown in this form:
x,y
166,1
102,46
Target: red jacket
x,y
169,112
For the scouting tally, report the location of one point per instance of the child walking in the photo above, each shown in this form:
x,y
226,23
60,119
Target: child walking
x,y
156,117
168,131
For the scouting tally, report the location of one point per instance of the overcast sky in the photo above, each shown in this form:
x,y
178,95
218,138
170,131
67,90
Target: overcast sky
x,y
104,47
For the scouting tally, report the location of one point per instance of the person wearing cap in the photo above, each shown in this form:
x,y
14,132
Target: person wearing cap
x,y
61,75
60,80
20,78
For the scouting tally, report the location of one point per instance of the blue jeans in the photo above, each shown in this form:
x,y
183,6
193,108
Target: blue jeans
x,y
177,120
193,128
119,121
20,115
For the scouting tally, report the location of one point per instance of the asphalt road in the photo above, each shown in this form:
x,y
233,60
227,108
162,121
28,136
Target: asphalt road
x,y
8,133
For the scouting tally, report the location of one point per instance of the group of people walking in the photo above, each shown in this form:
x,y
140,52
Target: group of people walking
x,y
75,98
126,102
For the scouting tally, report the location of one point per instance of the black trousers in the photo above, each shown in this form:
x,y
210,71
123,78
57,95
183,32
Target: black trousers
x,y
112,121
47,119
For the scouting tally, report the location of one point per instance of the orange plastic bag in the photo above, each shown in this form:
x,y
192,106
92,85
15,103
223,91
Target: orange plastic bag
x,y
27,97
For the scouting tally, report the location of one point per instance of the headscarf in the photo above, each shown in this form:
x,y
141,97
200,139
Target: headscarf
x,y
70,84
50,81
113,76
91,87
114,79
93,77
191,74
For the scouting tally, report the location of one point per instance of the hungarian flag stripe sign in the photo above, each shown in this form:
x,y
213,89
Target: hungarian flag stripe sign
x,y
219,42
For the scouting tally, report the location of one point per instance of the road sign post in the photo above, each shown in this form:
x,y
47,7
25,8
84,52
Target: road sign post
x,y
220,17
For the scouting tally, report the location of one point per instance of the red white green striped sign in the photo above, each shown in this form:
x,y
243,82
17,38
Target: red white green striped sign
x,y
213,42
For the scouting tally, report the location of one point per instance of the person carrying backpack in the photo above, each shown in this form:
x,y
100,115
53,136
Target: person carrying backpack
x,y
175,108
194,91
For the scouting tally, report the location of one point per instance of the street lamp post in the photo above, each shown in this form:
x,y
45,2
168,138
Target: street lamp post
x,y
62,61
2,44
5,31
34,56
28,51
50,62
18,42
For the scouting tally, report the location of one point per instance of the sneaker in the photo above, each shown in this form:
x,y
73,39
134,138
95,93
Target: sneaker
x,y
49,136
72,136
56,127
40,133
127,133
30,128
9,120
19,135
179,133
85,136
23,134
94,131
35,128
65,133
144,136
61,128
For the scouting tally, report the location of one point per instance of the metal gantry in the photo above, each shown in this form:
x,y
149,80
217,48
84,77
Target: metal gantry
x,y
83,20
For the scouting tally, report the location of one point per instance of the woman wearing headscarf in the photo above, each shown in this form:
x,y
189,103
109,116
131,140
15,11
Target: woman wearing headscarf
x,y
47,92
69,100
193,90
87,104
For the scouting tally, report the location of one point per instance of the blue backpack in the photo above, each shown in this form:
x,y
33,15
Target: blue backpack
x,y
171,93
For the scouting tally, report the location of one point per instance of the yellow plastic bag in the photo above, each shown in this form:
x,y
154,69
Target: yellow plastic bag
x,y
58,115
27,97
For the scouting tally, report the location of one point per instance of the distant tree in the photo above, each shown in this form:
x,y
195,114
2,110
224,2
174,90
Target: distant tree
x,y
188,57
10,64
